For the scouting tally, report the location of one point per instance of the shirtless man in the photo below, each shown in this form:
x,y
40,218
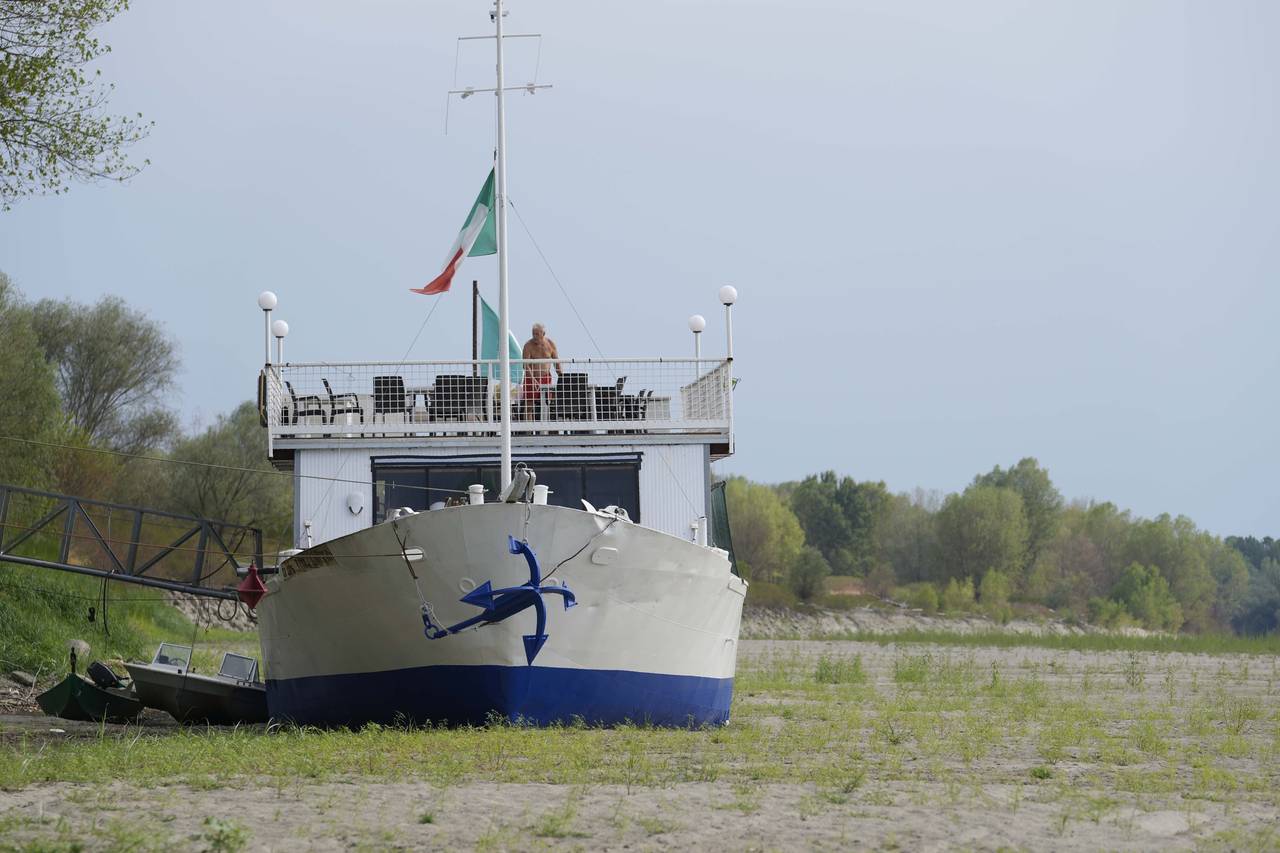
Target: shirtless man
x,y
537,375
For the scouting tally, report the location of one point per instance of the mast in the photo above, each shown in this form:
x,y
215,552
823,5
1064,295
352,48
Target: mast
x,y
503,317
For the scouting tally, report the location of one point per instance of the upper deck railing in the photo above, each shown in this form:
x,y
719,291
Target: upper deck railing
x,y
462,398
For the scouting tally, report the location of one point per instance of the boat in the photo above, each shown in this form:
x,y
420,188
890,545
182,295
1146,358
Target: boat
x,y
457,565
231,696
104,696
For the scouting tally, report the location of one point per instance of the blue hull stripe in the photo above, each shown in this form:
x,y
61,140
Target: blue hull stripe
x,y
471,694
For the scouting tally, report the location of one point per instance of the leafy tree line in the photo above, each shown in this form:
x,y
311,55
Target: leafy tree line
x,y
1008,540
88,388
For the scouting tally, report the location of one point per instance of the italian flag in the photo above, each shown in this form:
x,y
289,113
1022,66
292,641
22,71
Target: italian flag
x,y
479,236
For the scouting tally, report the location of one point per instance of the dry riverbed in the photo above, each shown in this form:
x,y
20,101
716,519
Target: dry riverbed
x,y
832,745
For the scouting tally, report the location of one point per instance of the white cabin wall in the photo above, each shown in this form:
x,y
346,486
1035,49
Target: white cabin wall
x,y
673,484
673,487
323,502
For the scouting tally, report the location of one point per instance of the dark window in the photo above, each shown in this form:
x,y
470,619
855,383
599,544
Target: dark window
x,y
419,484
613,484
397,487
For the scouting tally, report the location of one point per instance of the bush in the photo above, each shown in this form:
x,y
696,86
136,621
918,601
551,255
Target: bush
x,y
922,596
881,580
769,595
958,597
1145,594
808,573
840,670
994,595
1108,613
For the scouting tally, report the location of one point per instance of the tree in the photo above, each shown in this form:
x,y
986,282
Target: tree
x,y
815,504
1259,613
840,518
113,366
52,126
30,407
1041,500
982,529
256,498
766,535
1180,551
907,536
808,573
1145,595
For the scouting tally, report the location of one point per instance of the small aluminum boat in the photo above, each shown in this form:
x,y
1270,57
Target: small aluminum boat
x,y
233,695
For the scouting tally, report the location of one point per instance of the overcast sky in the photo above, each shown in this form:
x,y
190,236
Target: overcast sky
x,y
962,233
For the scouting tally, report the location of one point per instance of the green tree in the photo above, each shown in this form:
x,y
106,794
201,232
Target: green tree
x,y
808,573
982,529
1146,596
1180,551
1259,612
257,498
766,535
52,125
817,506
114,368
993,593
30,407
840,517
908,538
1041,500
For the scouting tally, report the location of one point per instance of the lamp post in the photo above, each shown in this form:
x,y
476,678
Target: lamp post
x,y
266,301
280,328
728,296
696,324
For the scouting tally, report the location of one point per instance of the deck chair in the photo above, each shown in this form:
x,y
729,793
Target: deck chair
x,y
342,404
303,407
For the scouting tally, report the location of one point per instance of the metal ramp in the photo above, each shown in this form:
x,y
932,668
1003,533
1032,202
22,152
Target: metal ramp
x,y
142,546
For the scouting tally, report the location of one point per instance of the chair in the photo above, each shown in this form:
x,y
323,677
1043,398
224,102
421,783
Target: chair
x,y
475,396
571,401
388,396
303,406
608,399
448,397
350,404
631,406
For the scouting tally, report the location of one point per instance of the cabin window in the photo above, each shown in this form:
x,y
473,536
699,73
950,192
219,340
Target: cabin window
x,y
418,483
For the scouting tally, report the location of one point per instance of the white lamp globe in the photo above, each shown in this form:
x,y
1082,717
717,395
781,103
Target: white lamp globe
x,y
267,300
279,328
697,323
728,294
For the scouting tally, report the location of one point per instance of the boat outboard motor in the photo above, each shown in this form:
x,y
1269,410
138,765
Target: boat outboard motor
x,y
520,489
102,675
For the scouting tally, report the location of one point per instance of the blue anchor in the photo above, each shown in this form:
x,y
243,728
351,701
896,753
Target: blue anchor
x,y
499,604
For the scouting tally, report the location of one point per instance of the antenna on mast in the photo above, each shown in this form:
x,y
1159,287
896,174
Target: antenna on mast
x,y
500,200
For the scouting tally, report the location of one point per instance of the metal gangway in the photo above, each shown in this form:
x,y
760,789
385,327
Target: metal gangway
x,y
132,544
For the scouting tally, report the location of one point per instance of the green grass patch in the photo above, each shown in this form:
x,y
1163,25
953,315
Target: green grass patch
x,y
42,609
1213,644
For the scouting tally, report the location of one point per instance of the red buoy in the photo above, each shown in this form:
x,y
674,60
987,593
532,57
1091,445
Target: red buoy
x,y
251,589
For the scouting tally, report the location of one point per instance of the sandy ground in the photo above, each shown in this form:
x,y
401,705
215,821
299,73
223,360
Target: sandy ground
x,y
692,816
988,804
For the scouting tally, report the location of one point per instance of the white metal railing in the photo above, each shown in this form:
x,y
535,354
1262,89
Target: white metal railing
x,y
606,396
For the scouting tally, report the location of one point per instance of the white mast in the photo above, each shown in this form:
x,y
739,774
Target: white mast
x,y
503,317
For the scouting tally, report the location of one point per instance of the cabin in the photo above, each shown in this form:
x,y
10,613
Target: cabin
x,y
364,439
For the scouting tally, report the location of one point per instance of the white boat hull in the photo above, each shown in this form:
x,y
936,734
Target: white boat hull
x,y
653,638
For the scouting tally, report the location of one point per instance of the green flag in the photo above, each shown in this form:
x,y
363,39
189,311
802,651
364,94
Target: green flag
x,y
490,334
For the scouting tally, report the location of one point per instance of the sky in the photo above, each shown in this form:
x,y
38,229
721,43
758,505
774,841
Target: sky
x,y
962,233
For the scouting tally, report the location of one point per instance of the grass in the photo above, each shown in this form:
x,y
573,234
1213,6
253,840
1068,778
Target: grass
x,y
1091,733
1213,644
41,610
